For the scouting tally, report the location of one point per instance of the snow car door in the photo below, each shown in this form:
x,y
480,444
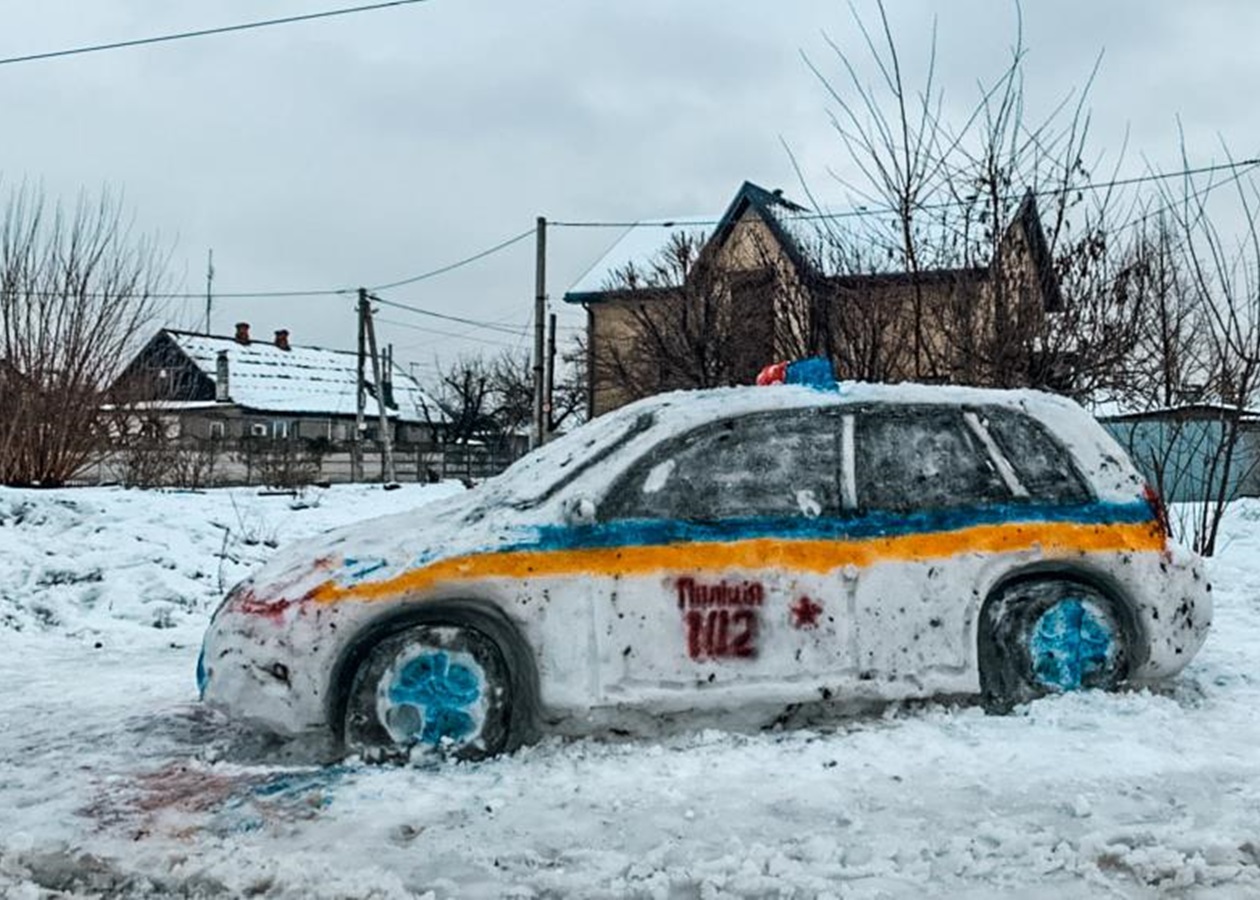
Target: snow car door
x,y
726,579
926,480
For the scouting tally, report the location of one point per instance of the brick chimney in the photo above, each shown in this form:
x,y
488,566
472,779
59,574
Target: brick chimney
x,y
221,394
242,332
282,339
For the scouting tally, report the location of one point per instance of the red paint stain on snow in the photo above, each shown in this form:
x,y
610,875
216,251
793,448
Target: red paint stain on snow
x,y
274,610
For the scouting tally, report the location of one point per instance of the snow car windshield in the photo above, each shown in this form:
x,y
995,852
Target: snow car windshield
x,y
538,475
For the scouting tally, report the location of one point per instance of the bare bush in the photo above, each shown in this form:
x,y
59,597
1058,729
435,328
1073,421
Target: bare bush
x,y
77,289
282,463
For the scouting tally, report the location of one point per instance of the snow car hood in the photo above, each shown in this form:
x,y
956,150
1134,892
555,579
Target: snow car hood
x,y
377,551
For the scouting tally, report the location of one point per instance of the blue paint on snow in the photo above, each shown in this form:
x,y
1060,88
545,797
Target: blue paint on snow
x,y
1068,645
311,788
435,693
858,526
203,678
358,569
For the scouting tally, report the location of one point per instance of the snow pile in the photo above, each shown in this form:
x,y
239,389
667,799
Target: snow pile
x,y
115,782
86,562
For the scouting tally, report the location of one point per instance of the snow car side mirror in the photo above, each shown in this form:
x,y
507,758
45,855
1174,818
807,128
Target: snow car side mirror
x,y
579,510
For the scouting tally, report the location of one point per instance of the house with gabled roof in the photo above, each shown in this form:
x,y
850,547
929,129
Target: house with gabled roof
x,y
239,392
786,292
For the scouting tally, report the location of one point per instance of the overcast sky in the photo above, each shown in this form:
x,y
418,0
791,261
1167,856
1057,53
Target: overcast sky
x,y
368,148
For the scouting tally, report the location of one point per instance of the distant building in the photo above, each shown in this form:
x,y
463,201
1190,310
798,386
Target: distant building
x,y
1194,452
195,409
213,387
789,296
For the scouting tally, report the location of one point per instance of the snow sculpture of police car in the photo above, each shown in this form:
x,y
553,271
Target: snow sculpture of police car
x,y
726,555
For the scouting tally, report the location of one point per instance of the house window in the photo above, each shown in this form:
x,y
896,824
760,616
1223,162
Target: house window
x,y
217,431
258,429
279,429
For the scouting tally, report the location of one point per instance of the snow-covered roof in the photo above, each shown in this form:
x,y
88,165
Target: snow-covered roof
x,y
263,376
638,246
804,236
644,241
1116,411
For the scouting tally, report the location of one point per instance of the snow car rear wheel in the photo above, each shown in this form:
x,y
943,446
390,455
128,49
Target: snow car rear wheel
x,y
1042,637
432,686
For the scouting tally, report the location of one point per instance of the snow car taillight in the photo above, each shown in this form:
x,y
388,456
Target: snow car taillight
x,y
1159,509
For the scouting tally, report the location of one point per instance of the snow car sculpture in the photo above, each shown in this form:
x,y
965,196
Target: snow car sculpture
x,y
724,556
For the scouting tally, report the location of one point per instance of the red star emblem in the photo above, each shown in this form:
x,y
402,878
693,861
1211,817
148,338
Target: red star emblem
x,y
805,613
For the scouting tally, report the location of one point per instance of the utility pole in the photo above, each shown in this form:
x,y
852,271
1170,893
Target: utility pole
x,y
539,434
387,444
549,380
356,446
209,284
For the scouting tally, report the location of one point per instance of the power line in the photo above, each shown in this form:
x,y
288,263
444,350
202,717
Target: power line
x,y
467,335
321,292
205,32
456,265
259,295
432,273
419,310
928,207
668,223
1240,168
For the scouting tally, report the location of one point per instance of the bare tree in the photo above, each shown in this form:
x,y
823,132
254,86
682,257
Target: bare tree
x,y
983,294
511,380
688,321
1222,272
77,288
462,394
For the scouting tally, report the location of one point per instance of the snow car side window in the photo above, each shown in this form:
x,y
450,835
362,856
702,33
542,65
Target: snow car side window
x,y
909,458
1044,466
782,463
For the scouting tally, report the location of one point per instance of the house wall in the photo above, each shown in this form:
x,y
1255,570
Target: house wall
x,y
966,326
751,251
962,326
161,372
610,324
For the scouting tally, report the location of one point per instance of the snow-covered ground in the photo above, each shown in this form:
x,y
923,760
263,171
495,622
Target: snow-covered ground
x,y
115,782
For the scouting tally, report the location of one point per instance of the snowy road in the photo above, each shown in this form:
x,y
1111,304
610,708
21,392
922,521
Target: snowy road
x,y
113,780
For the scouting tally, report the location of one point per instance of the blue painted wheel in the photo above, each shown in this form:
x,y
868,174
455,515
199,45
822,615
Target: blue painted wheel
x,y
441,688
433,697
1072,645
1050,636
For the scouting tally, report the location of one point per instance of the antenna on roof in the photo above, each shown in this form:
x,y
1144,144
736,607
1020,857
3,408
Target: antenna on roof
x,y
209,285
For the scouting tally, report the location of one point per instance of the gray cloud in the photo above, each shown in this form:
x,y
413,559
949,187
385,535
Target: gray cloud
x,y
369,148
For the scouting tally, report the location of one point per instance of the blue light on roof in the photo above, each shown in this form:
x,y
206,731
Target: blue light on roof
x,y
815,372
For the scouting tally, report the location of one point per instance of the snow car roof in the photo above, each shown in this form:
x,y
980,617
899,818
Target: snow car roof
x,y
653,419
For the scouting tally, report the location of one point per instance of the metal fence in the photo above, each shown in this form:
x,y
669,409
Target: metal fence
x,y
200,464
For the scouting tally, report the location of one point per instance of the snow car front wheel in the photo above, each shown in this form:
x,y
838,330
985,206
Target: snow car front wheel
x,y
1048,636
439,686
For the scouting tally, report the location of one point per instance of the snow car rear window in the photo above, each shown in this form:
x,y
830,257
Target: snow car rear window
x,y
781,463
1044,466
914,457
